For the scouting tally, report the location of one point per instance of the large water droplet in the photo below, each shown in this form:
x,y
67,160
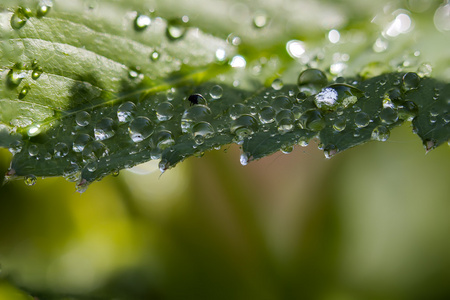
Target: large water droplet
x,y
282,102
285,121
203,129
192,115
267,115
176,28
238,110
380,133
163,139
312,120
140,129
80,142
312,80
164,111
337,95
82,118
216,92
411,81
14,78
277,84
61,150
362,119
94,151
141,22
388,115
30,180
104,129
19,18
244,126
126,111
395,95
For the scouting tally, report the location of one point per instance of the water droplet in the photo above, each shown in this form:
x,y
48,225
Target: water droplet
x,y
192,115
238,61
141,22
286,149
295,48
104,129
94,150
13,78
92,166
203,129
238,110
411,81
37,72
442,17
395,96
244,126
154,56
30,180
267,115
19,18
34,130
126,111
312,120
164,165
260,19
163,139
330,150
16,146
362,119
277,84
312,80
80,142
334,36
216,92
24,91
380,133
61,150
301,97
388,115
164,111
337,95
42,10
195,99
425,70
135,73
339,124
176,28
71,173
140,129
82,118
33,150
281,102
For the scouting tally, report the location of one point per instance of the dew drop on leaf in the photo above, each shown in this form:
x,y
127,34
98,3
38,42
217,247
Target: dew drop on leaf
x,y
380,133
362,119
312,120
154,56
23,92
33,150
411,81
80,142
203,129
42,10
244,126
260,19
339,124
94,150
195,99
277,84
176,28
82,118
104,129
388,115
140,129
330,150
281,102
61,150
36,73
216,92
192,115
19,18
267,115
163,139
126,111
238,110
13,78
141,22
312,80
164,111
16,146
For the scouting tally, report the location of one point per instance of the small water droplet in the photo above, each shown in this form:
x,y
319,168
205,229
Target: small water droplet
x,y
216,92
82,118
203,129
244,159
260,19
61,150
94,150
140,129
267,115
339,124
362,119
141,22
154,56
301,97
23,92
104,129
380,133
192,115
395,96
411,81
286,149
164,165
20,17
126,112
42,10
30,180
163,139
312,120
330,150
71,173
388,115
176,28
92,166
33,150
312,80
238,110
16,146
164,111
277,84
34,130
37,72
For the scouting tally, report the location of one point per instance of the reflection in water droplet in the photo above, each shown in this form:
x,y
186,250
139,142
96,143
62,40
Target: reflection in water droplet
x,y
176,28
126,111
192,115
380,133
238,110
330,150
18,19
163,139
216,92
362,119
411,81
195,99
408,111
203,129
33,150
61,150
282,102
277,84
82,118
13,78
94,150
140,129
260,19
312,120
244,126
339,124
267,115
164,111
42,10
154,56
23,92
30,180
104,129
141,22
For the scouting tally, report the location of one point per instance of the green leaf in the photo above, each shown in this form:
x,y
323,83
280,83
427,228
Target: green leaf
x,y
83,95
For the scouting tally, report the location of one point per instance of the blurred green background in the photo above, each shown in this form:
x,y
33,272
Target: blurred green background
x,y
371,223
